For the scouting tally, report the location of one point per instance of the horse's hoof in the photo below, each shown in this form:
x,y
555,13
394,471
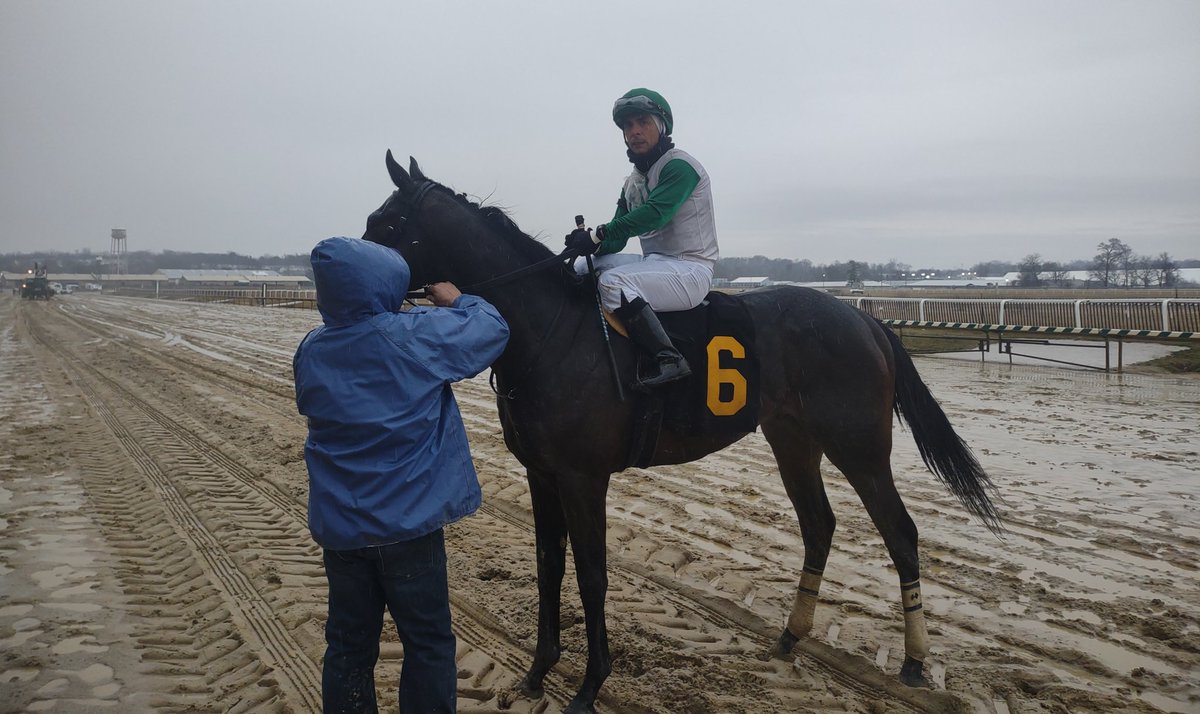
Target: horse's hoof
x,y
528,690
782,648
580,707
912,674
505,698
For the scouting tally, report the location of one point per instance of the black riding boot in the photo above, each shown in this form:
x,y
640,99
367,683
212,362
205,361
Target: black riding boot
x,y
647,333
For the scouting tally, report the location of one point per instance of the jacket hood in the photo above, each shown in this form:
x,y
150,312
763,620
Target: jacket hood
x,y
357,279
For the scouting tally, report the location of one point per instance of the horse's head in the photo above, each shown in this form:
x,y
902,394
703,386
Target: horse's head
x,y
395,223
443,236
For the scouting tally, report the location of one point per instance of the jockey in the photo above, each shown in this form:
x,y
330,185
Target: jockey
x,y
667,202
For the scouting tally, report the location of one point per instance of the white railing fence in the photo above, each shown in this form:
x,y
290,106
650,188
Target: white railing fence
x,y
1169,315
1153,318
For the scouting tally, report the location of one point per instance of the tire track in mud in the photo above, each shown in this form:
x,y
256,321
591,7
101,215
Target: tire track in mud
x,y
691,524
187,636
949,574
244,361
953,580
474,629
484,636
299,677
672,593
678,604
707,623
654,524
232,378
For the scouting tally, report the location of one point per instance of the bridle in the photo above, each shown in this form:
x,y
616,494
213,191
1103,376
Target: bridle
x,y
410,210
403,220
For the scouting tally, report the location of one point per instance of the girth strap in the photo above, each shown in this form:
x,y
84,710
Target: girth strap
x,y
647,425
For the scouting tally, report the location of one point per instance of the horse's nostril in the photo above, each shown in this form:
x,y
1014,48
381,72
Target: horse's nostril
x,y
391,228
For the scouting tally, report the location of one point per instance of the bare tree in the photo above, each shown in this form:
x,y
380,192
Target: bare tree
x,y
1141,271
992,268
1030,268
853,276
1058,275
1110,261
1124,267
1166,272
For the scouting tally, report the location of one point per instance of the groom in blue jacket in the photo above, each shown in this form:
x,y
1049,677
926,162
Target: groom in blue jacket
x,y
388,464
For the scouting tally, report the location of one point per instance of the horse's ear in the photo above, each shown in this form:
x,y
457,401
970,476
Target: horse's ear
x,y
415,170
401,179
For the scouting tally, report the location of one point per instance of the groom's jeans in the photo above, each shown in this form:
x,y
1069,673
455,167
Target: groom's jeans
x,y
409,579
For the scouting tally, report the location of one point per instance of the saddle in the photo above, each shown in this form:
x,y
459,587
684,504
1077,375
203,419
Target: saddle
x,y
722,394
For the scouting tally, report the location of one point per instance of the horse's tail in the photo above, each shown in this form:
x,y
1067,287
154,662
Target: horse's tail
x,y
942,450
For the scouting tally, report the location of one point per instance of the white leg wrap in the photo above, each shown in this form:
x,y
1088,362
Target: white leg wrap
x,y
800,622
916,639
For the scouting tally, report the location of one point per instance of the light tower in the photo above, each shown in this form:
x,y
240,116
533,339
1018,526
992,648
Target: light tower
x,y
116,251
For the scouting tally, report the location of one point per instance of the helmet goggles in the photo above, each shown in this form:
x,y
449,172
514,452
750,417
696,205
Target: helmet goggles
x,y
637,105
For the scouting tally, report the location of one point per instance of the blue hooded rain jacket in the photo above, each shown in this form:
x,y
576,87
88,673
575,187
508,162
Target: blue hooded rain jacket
x,y
387,452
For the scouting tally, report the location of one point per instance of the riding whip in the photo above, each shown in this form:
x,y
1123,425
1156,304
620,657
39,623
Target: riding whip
x,y
612,360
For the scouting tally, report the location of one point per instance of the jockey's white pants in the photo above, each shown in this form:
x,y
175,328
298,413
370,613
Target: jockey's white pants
x,y
667,284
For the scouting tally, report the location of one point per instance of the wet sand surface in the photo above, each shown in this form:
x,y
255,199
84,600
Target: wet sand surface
x,y
154,554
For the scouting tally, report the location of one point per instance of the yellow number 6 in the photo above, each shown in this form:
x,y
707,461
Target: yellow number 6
x,y
718,376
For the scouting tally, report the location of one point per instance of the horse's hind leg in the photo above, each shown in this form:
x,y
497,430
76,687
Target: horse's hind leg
x,y
866,465
550,529
799,461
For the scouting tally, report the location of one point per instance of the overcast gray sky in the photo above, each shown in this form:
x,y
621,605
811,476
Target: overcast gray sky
x,y
934,133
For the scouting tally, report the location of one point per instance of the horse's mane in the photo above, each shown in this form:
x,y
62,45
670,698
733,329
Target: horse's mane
x,y
527,246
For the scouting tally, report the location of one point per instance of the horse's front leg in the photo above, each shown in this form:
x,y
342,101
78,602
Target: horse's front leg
x,y
551,537
584,503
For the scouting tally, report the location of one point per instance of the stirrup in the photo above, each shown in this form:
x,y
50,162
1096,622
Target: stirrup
x,y
670,369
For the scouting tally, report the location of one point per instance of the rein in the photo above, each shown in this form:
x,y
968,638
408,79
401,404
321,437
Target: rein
x,y
415,202
537,356
521,272
507,277
517,274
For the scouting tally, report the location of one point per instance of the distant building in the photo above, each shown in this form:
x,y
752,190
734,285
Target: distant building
x,y
178,278
216,277
975,282
107,281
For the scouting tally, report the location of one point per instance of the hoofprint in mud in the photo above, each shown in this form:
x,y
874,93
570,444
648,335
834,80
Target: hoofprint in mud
x,y
153,553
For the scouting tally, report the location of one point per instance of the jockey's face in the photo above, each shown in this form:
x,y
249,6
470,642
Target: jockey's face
x,y
641,133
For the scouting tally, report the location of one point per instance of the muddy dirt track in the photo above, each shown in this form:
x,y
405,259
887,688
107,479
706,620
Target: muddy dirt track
x,y
154,554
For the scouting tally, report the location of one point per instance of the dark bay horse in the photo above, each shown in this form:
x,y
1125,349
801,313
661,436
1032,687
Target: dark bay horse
x,y
830,378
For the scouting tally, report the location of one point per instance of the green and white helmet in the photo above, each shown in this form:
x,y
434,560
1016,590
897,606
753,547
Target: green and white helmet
x,y
642,101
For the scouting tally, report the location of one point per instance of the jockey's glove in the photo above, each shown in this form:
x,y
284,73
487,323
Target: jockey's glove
x,y
581,242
